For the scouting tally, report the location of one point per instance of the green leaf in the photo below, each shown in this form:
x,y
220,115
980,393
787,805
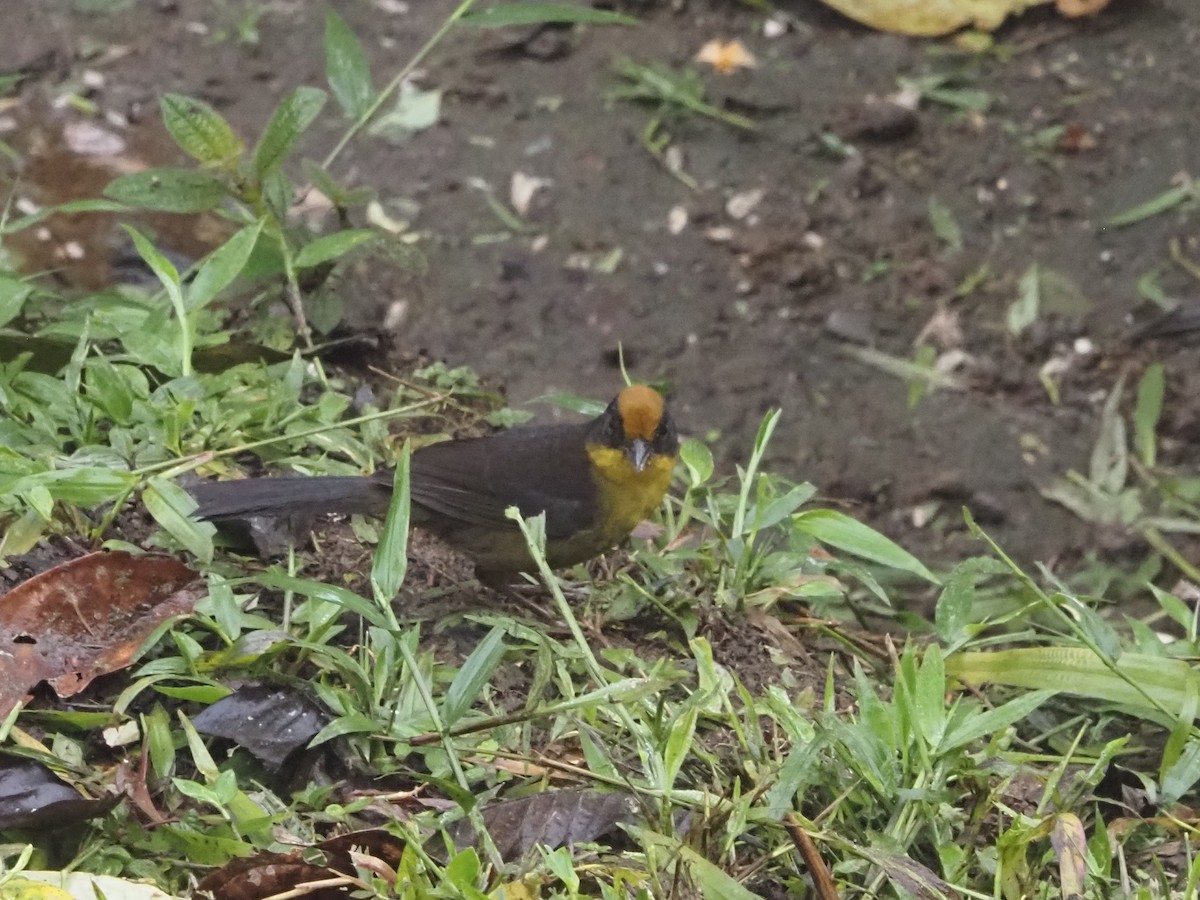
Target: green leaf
x,y
1024,310
993,720
941,219
156,725
168,190
332,246
391,556
327,593
171,506
841,531
714,882
108,388
13,294
291,119
222,266
1164,202
1110,457
476,671
354,723
1147,413
346,67
543,13
1141,681
82,486
199,130
679,742
1183,774
929,697
162,267
698,460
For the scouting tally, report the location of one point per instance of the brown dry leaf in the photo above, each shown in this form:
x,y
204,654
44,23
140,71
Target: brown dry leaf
x,y
726,56
1070,845
268,874
86,618
930,18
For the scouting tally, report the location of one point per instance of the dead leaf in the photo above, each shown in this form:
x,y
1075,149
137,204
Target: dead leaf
x,y
551,819
269,874
726,56
32,796
271,722
85,618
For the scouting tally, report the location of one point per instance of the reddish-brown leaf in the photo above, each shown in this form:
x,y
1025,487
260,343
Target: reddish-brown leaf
x,y
267,874
86,618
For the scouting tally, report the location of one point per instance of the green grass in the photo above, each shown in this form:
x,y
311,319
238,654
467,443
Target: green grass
x,y
758,686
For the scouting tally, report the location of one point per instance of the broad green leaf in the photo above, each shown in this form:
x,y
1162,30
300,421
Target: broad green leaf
x,y
714,882
929,697
332,246
110,389
838,530
168,190
1146,414
679,742
698,460
992,720
200,130
346,67
83,486
327,593
1023,311
1110,457
171,506
1183,774
162,267
543,13
291,119
941,219
1136,680
391,556
476,671
222,266
354,723
13,294
156,725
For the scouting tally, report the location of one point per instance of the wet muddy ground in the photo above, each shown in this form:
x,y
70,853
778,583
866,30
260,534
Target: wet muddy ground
x,y
794,247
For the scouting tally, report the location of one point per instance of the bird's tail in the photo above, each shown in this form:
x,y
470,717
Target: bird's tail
x,y
287,496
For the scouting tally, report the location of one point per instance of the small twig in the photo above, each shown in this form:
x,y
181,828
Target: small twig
x,y
822,880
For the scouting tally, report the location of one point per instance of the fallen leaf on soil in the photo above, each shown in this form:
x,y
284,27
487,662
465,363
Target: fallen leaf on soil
x,y
86,618
32,796
552,819
726,56
272,723
270,874
930,18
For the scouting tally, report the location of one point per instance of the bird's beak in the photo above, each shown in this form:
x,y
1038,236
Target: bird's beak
x,y
639,453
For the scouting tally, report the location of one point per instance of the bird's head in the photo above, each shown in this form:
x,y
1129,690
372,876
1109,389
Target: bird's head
x,y
638,425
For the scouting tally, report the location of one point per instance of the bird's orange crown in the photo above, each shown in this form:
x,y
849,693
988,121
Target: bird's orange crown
x,y
641,411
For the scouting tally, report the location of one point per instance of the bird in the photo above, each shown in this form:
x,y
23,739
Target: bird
x,y
595,481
